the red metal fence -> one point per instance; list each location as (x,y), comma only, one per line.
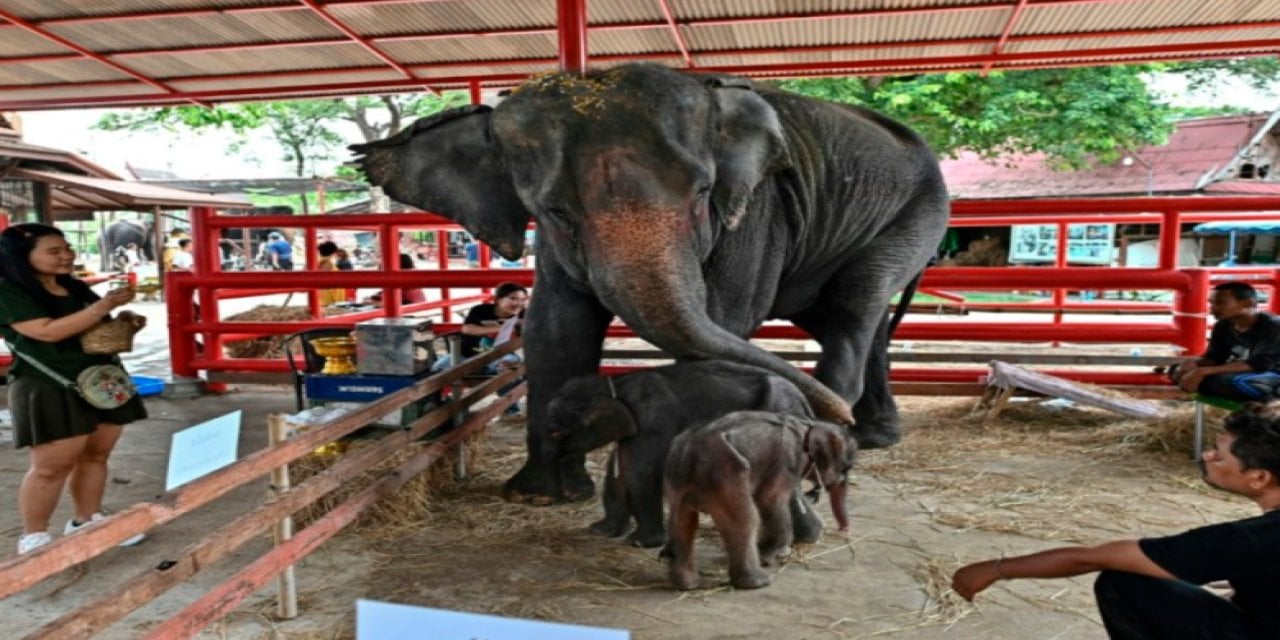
(1182,323)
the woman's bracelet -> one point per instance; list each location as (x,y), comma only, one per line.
(1000,573)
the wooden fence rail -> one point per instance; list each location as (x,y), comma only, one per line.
(22,572)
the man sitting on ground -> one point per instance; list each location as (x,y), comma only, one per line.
(1243,360)
(1151,588)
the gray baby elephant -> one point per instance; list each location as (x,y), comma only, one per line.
(744,469)
(643,411)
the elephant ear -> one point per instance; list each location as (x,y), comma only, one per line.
(750,146)
(448,164)
(830,449)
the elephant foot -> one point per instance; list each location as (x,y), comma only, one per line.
(750,579)
(770,557)
(532,484)
(608,528)
(870,436)
(685,579)
(575,484)
(647,539)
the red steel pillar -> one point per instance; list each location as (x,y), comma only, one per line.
(1273,303)
(1060,261)
(571,21)
(207,262)
(1170,234)
(1191,312)
(389,238)
(442,261)
(311,260)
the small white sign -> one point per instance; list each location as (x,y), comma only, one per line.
(385,621)
(202,449)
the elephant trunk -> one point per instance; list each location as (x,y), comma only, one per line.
(838,491)
(646,270)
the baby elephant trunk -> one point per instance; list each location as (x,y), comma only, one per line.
(838,491)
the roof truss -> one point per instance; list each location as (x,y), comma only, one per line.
(62,53)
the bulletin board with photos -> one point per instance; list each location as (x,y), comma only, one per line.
(1086,243)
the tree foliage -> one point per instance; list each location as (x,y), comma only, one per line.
(306,130)
(1074,116)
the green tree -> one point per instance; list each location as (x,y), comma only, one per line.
(1074,116)
(304,129)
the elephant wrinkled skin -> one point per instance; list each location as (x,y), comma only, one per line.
(745,469)
(694,207)
(643,412)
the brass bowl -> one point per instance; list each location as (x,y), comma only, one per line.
(339,355)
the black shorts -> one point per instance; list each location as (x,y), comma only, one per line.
(44,411)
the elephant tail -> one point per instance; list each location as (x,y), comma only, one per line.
(904,302)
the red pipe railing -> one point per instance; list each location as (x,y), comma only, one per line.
(1186,329)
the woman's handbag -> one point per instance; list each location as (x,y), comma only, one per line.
(103,386)
(110,337)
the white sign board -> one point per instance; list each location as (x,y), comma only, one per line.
(1086,243)
(204,448)
(386,621)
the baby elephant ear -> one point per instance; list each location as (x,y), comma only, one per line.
(750,146)
(829,449)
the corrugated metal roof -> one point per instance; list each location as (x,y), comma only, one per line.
(60,53)
(1196,153)
(72,193)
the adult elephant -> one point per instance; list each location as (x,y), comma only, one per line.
(694,207)
(122,233)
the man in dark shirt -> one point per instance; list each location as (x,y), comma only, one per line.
(1243,360)
(1150,588)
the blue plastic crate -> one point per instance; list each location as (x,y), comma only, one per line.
(148,386)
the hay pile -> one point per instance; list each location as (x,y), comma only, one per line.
(266,346)
(968,474)
(983,252)
(406,507)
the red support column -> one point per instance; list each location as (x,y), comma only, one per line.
(1170,234)
(1191,313)
(389,238)
(311,260)
(182,345)
(1273,302)
(572,31)
(207,262)
(442,261)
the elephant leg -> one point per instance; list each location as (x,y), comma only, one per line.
(805,523)
(614,500)
(738,522)
(850,320)
(775,526)
(564,331)
(644,495)
(681,564)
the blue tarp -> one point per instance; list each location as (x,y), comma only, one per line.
(1255,227)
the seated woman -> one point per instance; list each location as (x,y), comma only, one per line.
(328,262)
(483,324)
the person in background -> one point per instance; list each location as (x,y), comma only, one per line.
(1243,358)
(182,259)
(279,252)
(483,324)
(327,250)
(43,309)
(343,261)
(1151,588)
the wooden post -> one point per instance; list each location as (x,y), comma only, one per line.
(287,601)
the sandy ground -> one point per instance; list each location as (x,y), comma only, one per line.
(954,491)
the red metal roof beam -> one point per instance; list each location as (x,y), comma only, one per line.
(676,33)
(33,29)
(1004,34)
(359,39)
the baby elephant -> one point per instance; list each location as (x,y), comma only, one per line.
(744,469)
(643,411)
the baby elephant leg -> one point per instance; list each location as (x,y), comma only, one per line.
(682,529)
(644,499)
(738,521)
(614,500)
(775,525)
(805,521)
